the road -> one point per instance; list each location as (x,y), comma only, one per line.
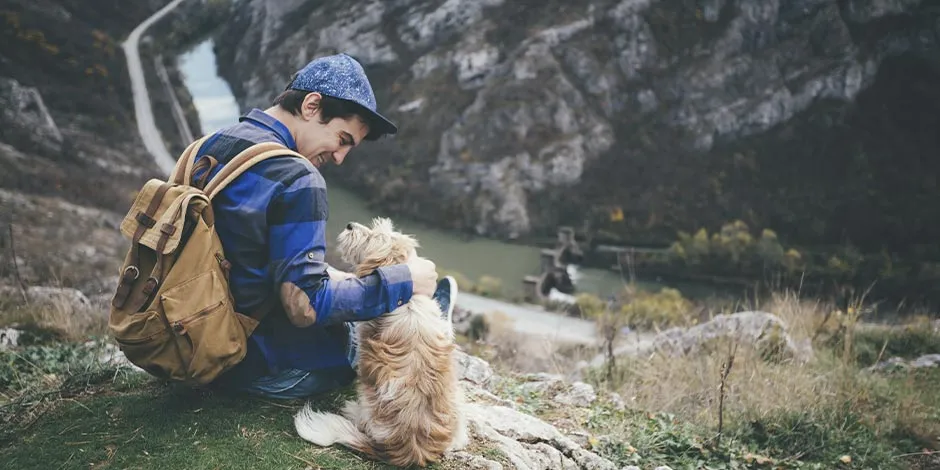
(146,124)
(533,320)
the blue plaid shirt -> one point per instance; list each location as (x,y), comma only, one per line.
(272,224)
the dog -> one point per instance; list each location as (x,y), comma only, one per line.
(408,407)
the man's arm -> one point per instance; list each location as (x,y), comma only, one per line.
(297,246)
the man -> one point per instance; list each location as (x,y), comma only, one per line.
(272,224)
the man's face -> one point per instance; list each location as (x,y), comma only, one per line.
(327,143)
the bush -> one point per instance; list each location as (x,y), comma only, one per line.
(652,310)
(489,286)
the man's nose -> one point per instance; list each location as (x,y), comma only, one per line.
(340,155)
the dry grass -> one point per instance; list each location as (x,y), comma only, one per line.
(56,317)
(758,391)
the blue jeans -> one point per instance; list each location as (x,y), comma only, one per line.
(294,383)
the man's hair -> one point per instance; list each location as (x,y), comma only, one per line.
(292,100)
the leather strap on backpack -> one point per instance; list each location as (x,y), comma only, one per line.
(145,220)
(243,161)
(184,165)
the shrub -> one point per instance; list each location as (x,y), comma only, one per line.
(489,286)
(653,310)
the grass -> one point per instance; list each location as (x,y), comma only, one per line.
(61,408)
(817,414)
(168,427)
(136,422)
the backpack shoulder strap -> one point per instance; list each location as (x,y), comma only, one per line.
(245,160)
(183,170)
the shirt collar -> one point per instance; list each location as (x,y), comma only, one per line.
(266,121)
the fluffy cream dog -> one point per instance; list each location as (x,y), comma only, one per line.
(408,408)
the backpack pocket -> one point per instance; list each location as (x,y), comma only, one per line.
(154,353)
(210,337)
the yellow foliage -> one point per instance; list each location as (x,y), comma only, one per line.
(663,309)
(616,215)
(590,305)
(489,286)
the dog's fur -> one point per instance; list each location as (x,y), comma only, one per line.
(408,408)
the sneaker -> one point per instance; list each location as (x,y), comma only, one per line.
(446,297)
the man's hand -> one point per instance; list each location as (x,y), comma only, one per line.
(423,276)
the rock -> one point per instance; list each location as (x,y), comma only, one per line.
(617,401)
(473,369)
(65,298)
(528,442)
(764,330)
(897,363)
(663,467)
(631,467)
(539,383)
(929,360)
(26,120)
(110,354)
(580,394)
(475,462)
(9,338)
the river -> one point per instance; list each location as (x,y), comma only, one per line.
(474,258)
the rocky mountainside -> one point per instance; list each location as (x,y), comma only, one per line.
(69,147)
(816,118)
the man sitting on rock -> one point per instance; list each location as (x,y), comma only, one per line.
(272,224)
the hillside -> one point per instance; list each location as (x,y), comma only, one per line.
(71,154)
(814,118)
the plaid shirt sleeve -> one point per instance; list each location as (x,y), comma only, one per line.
(297,218)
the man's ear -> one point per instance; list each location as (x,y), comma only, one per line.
(311,106)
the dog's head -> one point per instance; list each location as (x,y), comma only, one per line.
(368,248)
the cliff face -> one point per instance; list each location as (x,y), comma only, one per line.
(70,153)
(516,116)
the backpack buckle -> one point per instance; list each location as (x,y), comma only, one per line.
(128,270)
(131,273)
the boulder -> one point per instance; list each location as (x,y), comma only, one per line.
(579,394)
(766,331)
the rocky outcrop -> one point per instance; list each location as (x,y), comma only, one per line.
(528,443)
(763,331)
(896,363)
(26,119)
(515,116)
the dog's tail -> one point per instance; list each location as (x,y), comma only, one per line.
(326,429)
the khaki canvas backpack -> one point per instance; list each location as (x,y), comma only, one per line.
(172,313)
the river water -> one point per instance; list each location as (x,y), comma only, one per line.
(450,251)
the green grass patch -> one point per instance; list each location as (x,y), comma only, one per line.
(160,427)
(908,342)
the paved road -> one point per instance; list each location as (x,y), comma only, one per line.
(533,320)
(146,124)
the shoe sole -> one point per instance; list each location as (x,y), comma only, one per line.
(452,283)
